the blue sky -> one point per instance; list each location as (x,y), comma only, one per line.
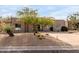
(57,11)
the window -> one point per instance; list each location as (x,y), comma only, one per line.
(18,25)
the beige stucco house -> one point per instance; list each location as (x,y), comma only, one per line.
(58,24)
(18,26)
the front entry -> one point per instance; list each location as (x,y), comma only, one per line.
(51,28)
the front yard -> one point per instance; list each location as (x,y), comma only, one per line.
(28,39)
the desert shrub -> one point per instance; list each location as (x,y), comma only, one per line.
(40,36)
(8,29)
(64,28)
(47,34)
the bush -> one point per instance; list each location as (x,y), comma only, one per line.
(8,29)
(64,28)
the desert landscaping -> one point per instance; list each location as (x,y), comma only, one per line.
(27,30)
(51,41)
(28,39)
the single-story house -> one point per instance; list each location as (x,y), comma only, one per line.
(18,26)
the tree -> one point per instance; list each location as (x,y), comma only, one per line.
(27,21)
(73,20)
(45,21)
(27,16)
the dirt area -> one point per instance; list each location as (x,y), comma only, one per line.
(28,39)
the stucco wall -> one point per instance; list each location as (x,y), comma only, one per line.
(58,24)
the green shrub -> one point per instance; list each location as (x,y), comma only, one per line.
(7,27)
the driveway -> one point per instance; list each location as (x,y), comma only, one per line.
(70,38)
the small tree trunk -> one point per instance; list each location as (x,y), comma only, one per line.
(10,33)
(35,29)
(27,27)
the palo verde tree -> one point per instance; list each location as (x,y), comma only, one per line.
(46,21)
(27,15)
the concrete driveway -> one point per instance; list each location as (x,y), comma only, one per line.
(70,38)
